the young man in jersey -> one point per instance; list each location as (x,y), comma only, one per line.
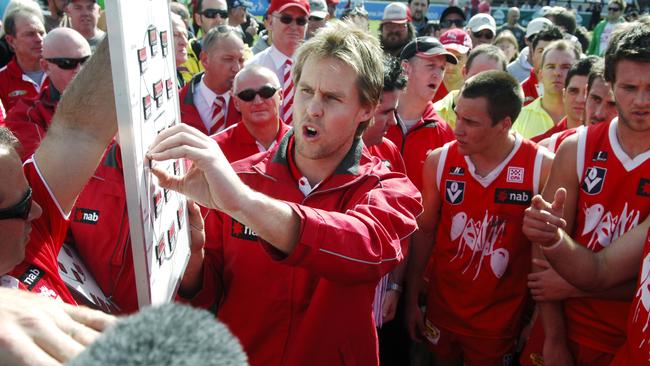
(604,170)
(624,260)
(475,192)
(310,227)
(419,128)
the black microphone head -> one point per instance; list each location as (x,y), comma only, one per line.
(170,335)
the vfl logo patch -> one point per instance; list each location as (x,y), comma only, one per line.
(594,179)
(241,231)
(86,216)
(599,156)
(454,191)
(512,196)
(456,170)
(515,174)
(644,187)
(31,277)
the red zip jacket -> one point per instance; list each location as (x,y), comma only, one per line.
(529,86)
(30,119)
(190,115)
(314,306)
(428,134)
(14,87)
(237,143)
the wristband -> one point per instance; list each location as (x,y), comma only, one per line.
(392,286)
(557,243)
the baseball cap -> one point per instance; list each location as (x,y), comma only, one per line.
(536,25)
(71,1)
(482,21)
(233,4)
(426,47)
(280,5)
(396,13)
(453,10)
(456,39)
(318,8)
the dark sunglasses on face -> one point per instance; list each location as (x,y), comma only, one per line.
(315,19)
(614,9)
(265,92)
(19,210)
(212,13)
(288,19)
(67,63)
(484,35)
(459,23)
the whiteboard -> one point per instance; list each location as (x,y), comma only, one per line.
(144,78)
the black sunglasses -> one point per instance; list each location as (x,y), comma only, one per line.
(212,13)
(288,19)
(484,35)
(67,63)
(265,92)
(614,9)
(459,23)
(20,210)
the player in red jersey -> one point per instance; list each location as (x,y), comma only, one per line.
(626,259)
(604,170)
(475,192)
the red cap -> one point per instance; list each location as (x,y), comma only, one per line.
(280,5)
(456,39)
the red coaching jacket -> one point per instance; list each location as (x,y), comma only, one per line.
(190,115)
(314,306)
(15,85)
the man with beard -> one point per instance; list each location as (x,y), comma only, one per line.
(395,30)
(84,15)
(419,9)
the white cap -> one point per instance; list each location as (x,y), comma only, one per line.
(482,21)
(536,25)
(396,13)
(318,8)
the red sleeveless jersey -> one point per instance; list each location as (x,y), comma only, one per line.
(613,197)
(481,257)
(636,350)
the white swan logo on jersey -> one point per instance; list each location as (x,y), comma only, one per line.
(594,179)
(607,227)
(643,296)
(454,191)
(480,236)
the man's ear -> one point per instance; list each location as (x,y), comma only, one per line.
(10,39)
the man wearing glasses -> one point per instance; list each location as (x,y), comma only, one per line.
(288,25)
(604,29)
(452,17)
(482,28)
(64,51)
(22,77)
(208,14)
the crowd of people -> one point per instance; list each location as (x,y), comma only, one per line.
(439,193)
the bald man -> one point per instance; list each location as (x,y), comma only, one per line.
(64,51)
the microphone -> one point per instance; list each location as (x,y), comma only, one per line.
(170,334)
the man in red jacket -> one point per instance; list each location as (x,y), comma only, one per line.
(23,76)
(206,101)
(64,51)
(309,228)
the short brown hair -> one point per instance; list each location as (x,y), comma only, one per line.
(631,42)
(502,92)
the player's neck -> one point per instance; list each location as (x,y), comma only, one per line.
(495,154)
(573,123)
(633,142)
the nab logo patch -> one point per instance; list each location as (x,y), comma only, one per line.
(594,180)
(86,216)
(599,156)
(31,277)
(241,231)
(515,174)
(454,191)
(456,170)
(644,187)
(512,196)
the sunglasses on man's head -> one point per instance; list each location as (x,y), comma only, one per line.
(265,92)
(20,210)
(212,13)
(288,19)
(484,35)
(67,63)
(459,23)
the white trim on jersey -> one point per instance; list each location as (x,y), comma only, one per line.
(628,163)
(537,169)
(494,174)
(580,158)
(441,164)
(47,186)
